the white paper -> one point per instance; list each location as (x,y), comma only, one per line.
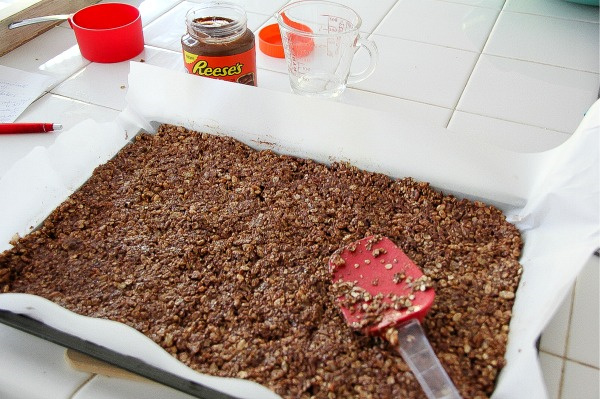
(553,197)
(18,89)
(39,182)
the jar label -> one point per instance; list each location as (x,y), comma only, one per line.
(240,68)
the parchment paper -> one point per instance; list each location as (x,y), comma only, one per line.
(553,197)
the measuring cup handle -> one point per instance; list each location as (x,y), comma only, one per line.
(37,20)
(371,48)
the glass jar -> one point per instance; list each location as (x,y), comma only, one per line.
(218,43)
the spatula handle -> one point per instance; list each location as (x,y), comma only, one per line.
(420,357)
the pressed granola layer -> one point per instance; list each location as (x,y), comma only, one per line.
(219,254)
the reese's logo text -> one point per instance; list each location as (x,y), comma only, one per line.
(201,68)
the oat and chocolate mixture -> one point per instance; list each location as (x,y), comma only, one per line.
(219,254)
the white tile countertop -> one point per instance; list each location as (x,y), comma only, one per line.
(517,73)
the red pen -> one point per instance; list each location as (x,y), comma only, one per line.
(11,128)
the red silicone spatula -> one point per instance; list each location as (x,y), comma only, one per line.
(382,292)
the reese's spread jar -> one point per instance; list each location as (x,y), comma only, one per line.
(218,43)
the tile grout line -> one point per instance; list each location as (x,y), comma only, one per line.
(84,102)
(542,63)
(175,4)
(391,96)
(563,366)
(568,335)
(428,43)
(452,111)
(475,65)
(579,362)
(488,54)
(509,121)
(524,12)
(552,17)
(564,357)
(273,70)
(563,363)
(59,82)
(469,4)
(395,4)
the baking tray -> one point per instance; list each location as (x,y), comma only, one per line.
(118,345)
(125,362)
(552,197)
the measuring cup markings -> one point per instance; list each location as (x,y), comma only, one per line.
(297,67)
(335,25)
(303,68)
(333,46)
(339,25)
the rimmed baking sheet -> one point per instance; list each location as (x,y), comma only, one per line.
(552,197)
(126,362)
(124,347)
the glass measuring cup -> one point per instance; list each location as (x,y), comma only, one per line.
(320,39)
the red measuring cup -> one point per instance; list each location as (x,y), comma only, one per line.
(105,32)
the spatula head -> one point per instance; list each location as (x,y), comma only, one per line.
(378,285)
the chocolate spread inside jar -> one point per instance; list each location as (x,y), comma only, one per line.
(218,43)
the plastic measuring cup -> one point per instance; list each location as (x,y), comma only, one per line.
(320,39)
(105,32)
